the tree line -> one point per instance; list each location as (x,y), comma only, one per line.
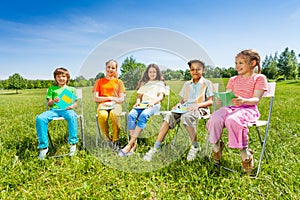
(276,67)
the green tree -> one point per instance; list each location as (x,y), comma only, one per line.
(287,64)
(187,76)
(269,66)
(17,82)
(100,75)
(131,72)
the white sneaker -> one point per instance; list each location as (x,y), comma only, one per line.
(148,156)
(192,153)
(72,150)
(43,153)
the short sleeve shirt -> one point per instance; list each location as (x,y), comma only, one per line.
(196,92)
(55,91)
(151,90)
(245,86)
(109,88)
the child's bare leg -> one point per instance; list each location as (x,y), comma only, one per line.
(163,131)
(134,134)
(192,133)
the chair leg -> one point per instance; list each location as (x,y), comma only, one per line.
(82,132)
(262,152)
(50,140)
(261,142)
(176,132)
(98,131)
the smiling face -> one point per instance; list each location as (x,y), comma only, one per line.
(111,69)
(152,73)
(196,71)
(244,67)
(61,76)
(61,79)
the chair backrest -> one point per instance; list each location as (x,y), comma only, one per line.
(216,87)
(271,90)
(270,93)
(168,94)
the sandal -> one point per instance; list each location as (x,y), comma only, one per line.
(248,164)
(217,155)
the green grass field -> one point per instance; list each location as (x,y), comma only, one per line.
(85,176)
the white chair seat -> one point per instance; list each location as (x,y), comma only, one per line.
(258,123)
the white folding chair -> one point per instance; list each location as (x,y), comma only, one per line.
(80,117)
(268,94)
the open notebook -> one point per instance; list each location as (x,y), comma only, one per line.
(225,97)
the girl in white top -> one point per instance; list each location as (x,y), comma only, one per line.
(150,90)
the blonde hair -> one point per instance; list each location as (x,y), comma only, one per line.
(249,55)
(59,71)
(112,60)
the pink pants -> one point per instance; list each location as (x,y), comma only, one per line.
(235,119)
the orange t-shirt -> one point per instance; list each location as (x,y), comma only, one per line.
(109,88)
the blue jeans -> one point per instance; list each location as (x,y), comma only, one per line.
(139,117)
(42,125)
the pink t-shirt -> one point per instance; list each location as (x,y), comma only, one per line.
(244,87)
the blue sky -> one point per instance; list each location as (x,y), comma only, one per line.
(38,36)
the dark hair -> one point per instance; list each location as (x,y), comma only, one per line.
(145,78)
(249,55)
(196,61)
(59,71)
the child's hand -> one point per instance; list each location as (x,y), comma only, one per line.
(218,101)
(150,105)
(176,106)
(69,108)
(56,99)
(193,107)
(135,105)
(238,101)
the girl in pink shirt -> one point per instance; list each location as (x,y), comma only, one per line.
(248,88)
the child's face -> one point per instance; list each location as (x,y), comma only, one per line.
(61,79)
(111,69)
(242,66)
(152,73)
(196,71)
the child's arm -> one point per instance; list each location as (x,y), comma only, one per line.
(51,102)
(249,101)
(138,100)
(207,103)
(158,99)
(119,99)
(72,106)
(178,104)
